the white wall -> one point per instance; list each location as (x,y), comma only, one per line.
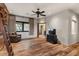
(62,23)
(73,30)
(26,34)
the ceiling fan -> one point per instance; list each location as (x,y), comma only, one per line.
(38,12)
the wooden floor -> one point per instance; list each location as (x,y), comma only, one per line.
(40,47)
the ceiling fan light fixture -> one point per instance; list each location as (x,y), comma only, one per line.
(38,12)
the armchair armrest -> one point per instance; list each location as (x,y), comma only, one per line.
(19,35)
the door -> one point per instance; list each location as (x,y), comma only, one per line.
(42,28)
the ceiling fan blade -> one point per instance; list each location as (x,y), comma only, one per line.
(33,11)
(42,14)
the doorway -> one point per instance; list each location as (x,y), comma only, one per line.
(42,29)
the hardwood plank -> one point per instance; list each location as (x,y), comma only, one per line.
(40,47)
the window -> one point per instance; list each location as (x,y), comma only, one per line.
(22,26)
(18,26)
(74,25)
(26,27)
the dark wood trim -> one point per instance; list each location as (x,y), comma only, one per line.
(22,31)
(37,29)
(22,22)
(22,26)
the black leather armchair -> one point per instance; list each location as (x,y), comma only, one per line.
(14,37)
(52,37)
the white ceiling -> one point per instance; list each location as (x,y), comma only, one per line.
(25,9)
